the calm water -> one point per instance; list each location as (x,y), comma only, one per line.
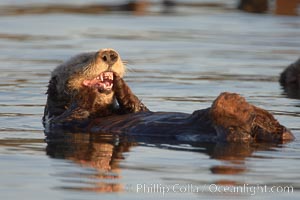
(175,63)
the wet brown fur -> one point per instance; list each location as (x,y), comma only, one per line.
(236,119)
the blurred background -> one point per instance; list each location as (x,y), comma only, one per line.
(180,56)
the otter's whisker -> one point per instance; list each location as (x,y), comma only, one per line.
(87,67)
(125,62)
(129,69)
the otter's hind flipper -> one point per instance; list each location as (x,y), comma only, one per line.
(236,120)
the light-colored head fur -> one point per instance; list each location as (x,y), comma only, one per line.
(71,73)
(69,76)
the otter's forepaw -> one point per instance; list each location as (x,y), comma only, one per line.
(128,102)
(118,82)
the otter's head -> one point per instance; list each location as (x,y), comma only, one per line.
(88,71)
(93,70)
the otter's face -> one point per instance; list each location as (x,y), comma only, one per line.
(94,70)
(86,78)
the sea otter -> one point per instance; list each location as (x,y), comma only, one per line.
(88,94)
(290,80)
(291,75)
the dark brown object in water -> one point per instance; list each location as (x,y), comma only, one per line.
(290,80)
(291,75)
(287,7)
(254,6)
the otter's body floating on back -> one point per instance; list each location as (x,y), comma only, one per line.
(88,94)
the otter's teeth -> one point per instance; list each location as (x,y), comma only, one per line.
(106,75)
(101,77)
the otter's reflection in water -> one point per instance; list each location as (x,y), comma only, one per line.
(292,92)
(234,157)
(104,152)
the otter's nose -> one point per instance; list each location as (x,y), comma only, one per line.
(109,56)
